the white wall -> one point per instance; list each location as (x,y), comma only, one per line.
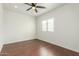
(18,27)
(1,26)
(66,27)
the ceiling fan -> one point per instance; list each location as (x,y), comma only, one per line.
(34,6)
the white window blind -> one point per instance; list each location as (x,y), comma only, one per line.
(48,25)
(51,25)
(44,25)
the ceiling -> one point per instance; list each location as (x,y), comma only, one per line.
(21,8)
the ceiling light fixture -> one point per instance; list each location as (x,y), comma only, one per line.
(33,7)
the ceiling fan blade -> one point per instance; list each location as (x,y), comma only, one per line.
(36,10)
(28,4)
(33,4)
(40,7)
(29,8)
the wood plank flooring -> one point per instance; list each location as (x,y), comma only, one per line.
(35,48)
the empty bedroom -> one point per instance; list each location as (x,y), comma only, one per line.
(39,29)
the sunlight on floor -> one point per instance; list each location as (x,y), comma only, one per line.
(45,52)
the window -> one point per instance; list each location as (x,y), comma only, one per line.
(48,25)
(44,25)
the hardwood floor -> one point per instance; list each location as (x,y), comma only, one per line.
(35,48)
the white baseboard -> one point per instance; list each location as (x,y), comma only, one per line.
(61,45)
(9,42)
